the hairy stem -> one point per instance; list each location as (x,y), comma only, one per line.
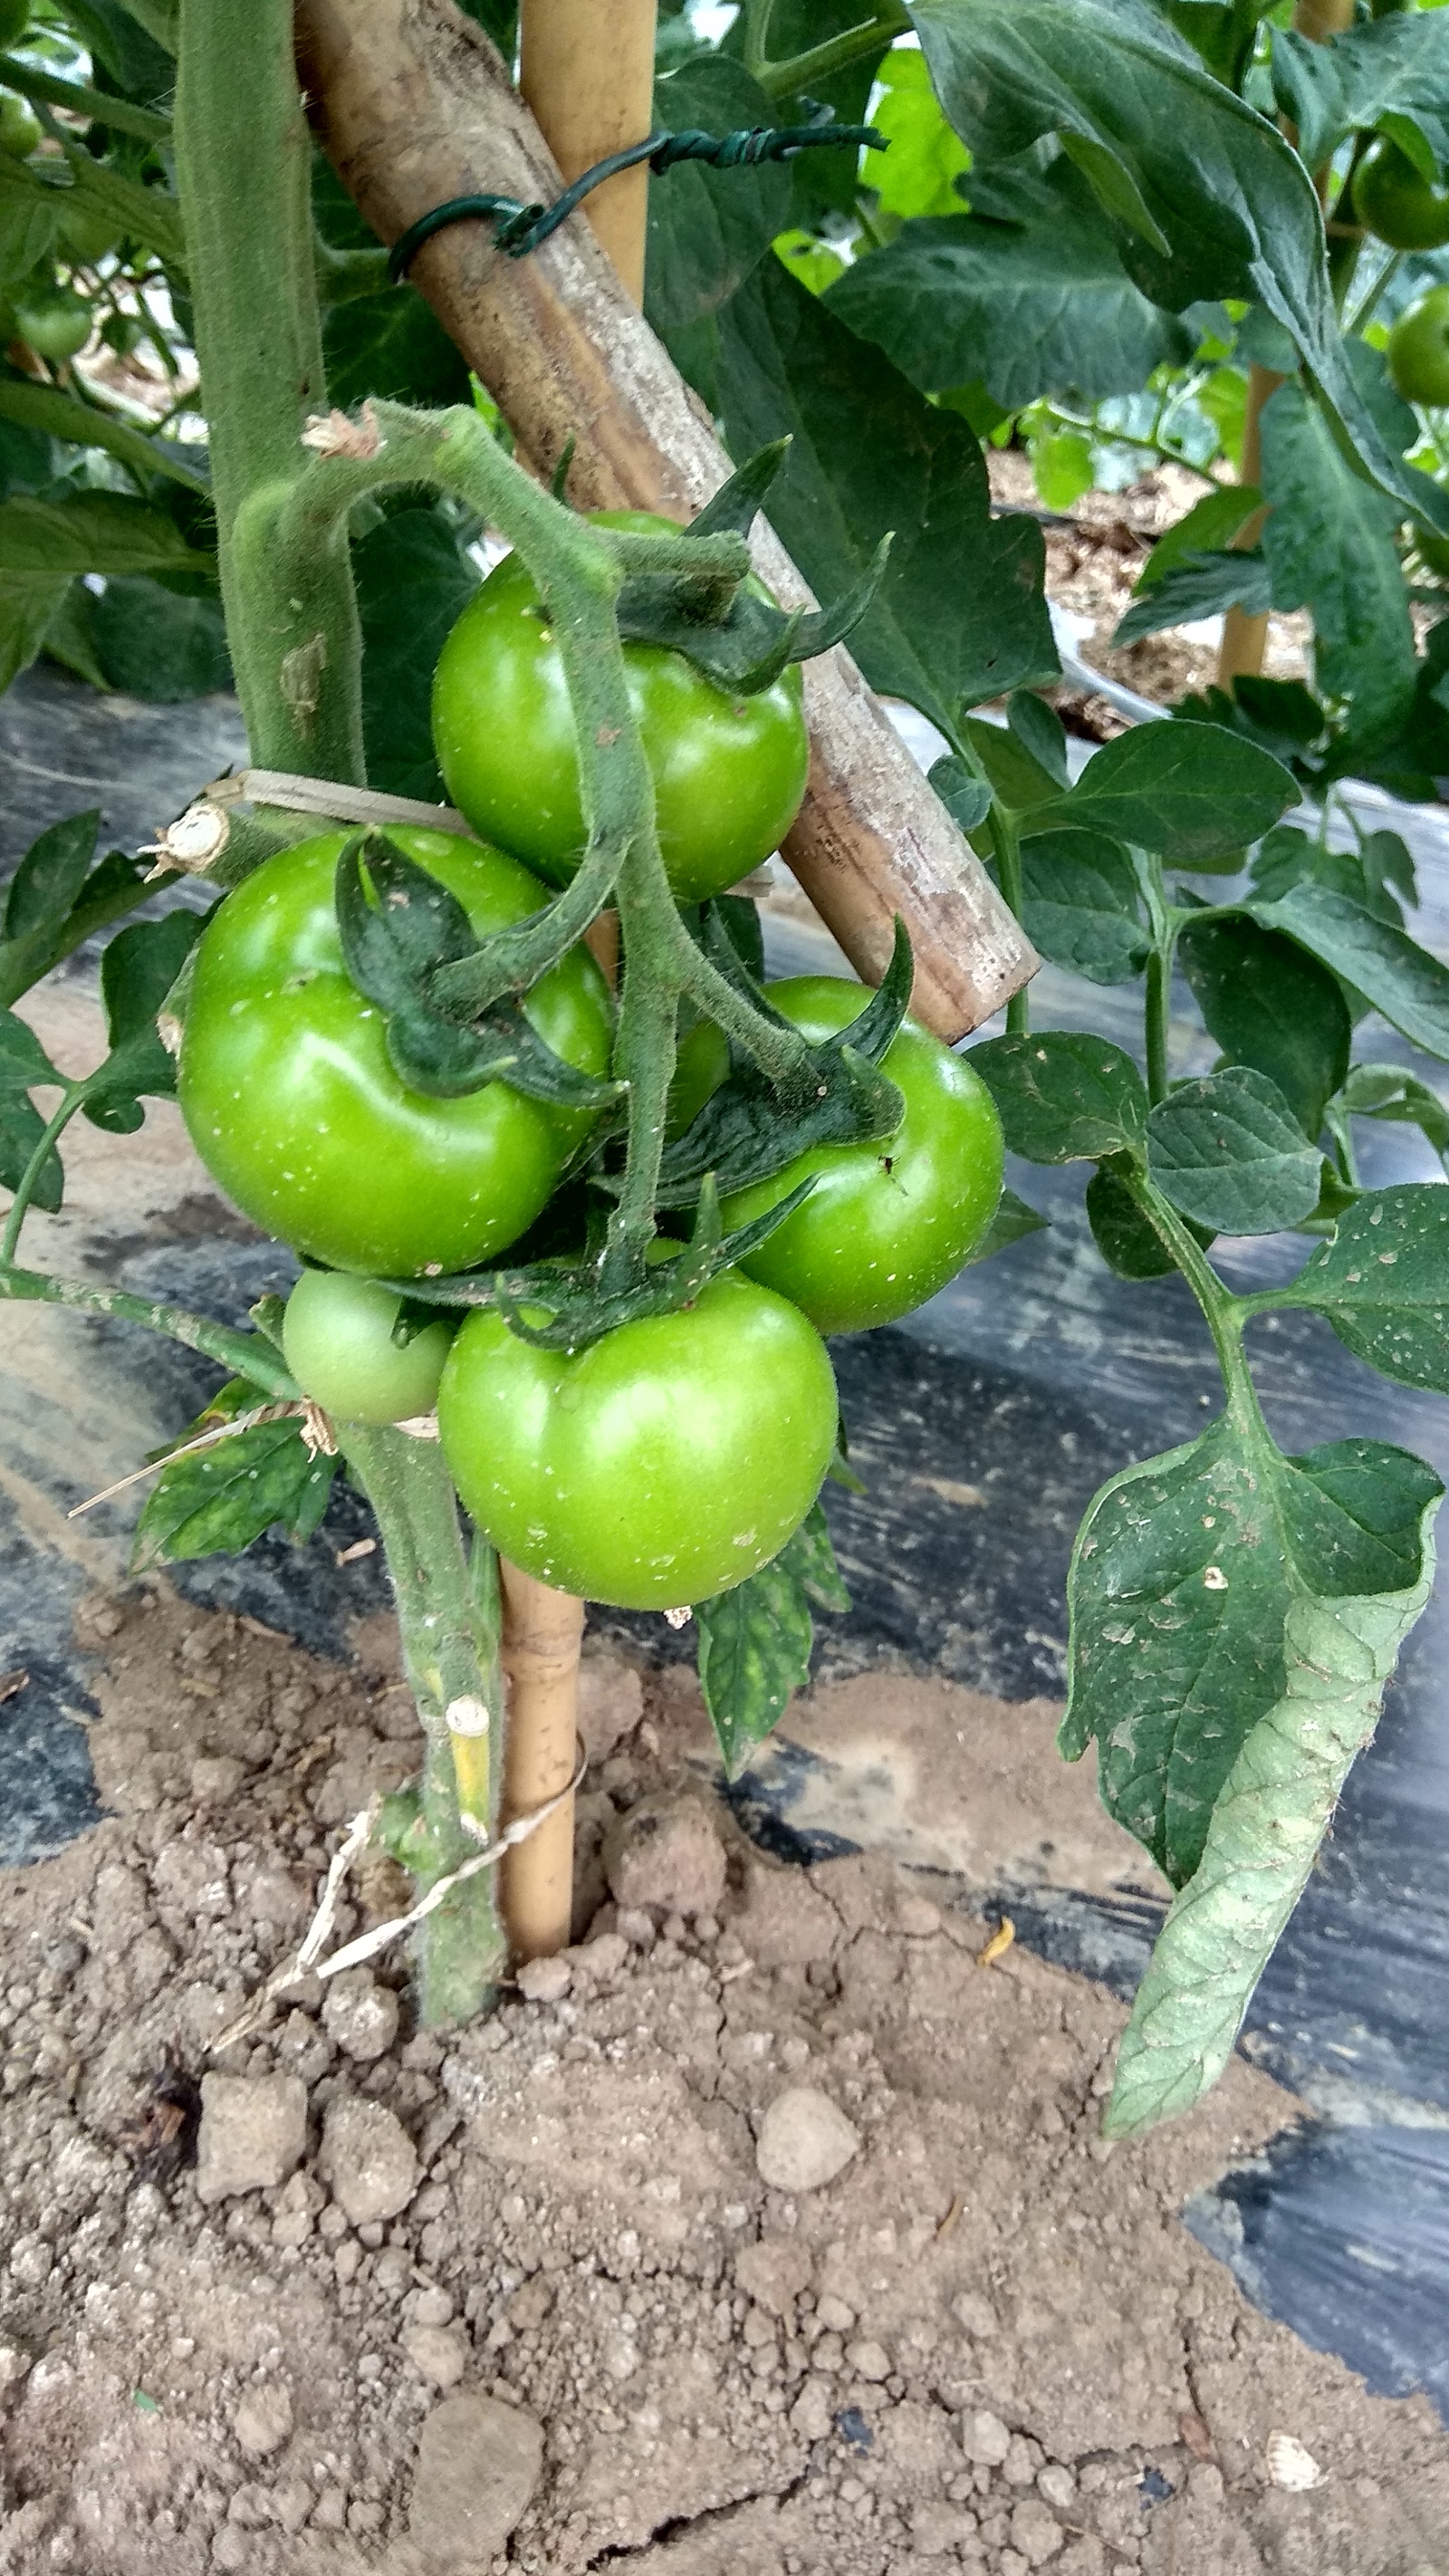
(118,113)
(1008,860)
(1224,1313)
(450,1654)
(243,161)
(248,1355)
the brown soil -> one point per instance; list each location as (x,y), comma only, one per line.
(987,2343)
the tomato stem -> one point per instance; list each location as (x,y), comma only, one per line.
(243,167)
(447,1606)
(248,1355)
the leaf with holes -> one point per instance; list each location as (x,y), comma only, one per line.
(1383,1283)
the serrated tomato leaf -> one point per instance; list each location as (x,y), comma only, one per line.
(755,1640)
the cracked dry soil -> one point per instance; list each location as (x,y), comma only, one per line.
(986,2344)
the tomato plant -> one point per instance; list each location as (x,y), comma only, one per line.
(1094,234)
(660,1466)
(728,771)
(295,1104)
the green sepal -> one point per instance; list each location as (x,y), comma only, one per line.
(744,642)
(748,1130)
(579,1308)
(393,946)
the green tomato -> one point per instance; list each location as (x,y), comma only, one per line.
(1419,349)
(729,773)
(337,1336)
(888,1224)
(88,235)
(20,127)
(290,1096)
(658,1467)
(52,321)
(1397,202)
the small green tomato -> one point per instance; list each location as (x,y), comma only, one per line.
(337,1336)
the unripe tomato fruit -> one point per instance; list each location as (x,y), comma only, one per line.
(20,127)
(337,1337)
(886,1224)
(1397,202)
(729,773)
(291,1100)
(52,321)
(88,235)
(658,1467)
(1419,349)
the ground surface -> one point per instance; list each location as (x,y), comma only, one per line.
(523,2298)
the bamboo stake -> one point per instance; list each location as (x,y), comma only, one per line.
(588,74)
(542,1633)
(586,68)
(414,106)
(1245,638)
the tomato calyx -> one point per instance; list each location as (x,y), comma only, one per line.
(751,1128)
(738,639)
(580,1310)
(394,941)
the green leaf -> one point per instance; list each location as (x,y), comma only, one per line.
(1172,154)
(1388,74)
(1184,1571)
(1127,1240)
(29,603)
(916,175)
(1329,545)
(1403,981)
(966,797)
(1082,907)
(1025,310)
(1383,1282)
(138,970)
(1385,1091)
(708,228)
(216,1502)
(1015,774)
(1190,792)
(23,1062)
(1209,525)
(1271,1005)
(157,644)
(1013,1220)
(1063,1097)
(101,532)
(1228,1152)
(1269,1820)
(1041,733)
(1197,585)
(51,875)
(755,1640)
(1063,467)
(392,347)
(961,612)
(414,579)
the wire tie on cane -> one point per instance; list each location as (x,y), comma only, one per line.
(523,228)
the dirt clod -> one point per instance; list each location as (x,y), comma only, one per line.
(360,2015)
(478,2465)
(666,1853)
(253,2131)
(804,2140)
(263,2420)
(368,2159)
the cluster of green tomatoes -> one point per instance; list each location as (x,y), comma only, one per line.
(674,1456)
(41,309)
(1393,200)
